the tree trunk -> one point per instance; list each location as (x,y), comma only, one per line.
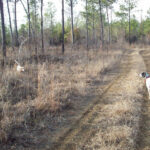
(87,30)
(129,23)
(108,24)
(10,25)
(29,20)
(93,24)
(42,35)
(15,24)
(34,31)
(30,28)
(111,28)
(3,30)
(63,30)
(101,27)
(72,24)
(52,33)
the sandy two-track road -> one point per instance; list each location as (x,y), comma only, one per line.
(118,129)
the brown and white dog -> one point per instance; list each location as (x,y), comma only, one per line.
(147,77)
(19,67)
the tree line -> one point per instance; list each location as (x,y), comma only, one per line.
(94,26)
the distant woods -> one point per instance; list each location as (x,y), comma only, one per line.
(98,25)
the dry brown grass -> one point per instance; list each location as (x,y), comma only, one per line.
(48,87)
(119,124)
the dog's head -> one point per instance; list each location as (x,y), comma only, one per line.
(143,74)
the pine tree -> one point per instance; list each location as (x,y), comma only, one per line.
(63,30)
(3,30)
(10,25)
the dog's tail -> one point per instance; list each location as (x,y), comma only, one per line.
(17,62)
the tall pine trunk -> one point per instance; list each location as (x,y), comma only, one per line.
(72,24)
(3,30)
(29,20)
(63,30)
(93,24)
(129,23)
(28,16)
(10,26)
(87,30)
(15,24)
(101,25)
(52,32)
(35,29)
(42,34)
(111,29)
(108,24)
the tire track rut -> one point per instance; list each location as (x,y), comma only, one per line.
(87,125)
(144,138)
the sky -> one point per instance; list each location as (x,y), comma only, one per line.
(141,5)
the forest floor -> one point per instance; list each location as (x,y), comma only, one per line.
(112,114)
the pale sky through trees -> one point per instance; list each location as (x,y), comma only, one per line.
(142,4)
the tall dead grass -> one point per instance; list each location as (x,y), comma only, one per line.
(49,87)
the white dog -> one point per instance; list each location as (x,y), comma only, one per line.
(147,77)
(19,67)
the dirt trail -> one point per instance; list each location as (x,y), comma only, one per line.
(144,140)
(89,124)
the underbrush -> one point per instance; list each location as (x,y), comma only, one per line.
(16,87)
(47,88)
